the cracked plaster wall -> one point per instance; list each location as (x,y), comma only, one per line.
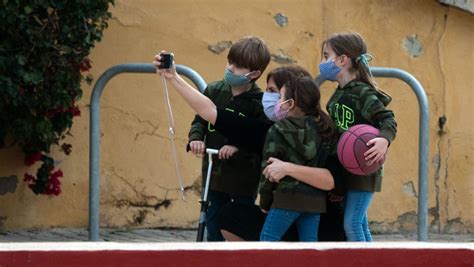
(138,184)
(439,53)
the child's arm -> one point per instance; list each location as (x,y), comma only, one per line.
(374,111)
(317,177)
(198,132)
(246,131)
(198,102)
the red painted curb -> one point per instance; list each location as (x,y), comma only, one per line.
(230,258)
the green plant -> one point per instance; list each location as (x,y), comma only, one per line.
(44,48)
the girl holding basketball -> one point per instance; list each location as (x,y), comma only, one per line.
(302,131)
(357,100)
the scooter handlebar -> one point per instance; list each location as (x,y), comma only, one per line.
(212,151)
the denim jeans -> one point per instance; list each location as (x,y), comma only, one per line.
(279,220)
(356,224)
(217,201)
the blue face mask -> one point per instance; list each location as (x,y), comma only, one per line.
(269,101)
(235,80)
(329,70)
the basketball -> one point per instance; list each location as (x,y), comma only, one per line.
(351,148)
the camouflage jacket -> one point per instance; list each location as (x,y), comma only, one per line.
(294,140)
(240,174)
(359,103)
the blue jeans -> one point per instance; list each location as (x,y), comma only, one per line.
(279,220)
(217,201)
(356,224)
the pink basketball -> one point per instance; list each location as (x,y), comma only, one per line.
(351,148)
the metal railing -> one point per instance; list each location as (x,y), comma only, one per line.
(94,155)
(94,150)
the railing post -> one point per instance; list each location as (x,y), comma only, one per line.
(94,149)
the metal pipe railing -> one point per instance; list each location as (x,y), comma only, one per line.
(424,139)
(94,156)
(94,150)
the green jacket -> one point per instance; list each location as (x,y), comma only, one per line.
(294,140)
(240,174)
(359,103)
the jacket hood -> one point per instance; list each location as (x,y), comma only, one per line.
(381,95)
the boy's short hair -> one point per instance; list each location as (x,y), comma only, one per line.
(249,52)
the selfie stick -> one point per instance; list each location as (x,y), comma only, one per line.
(171,130)
(203,201)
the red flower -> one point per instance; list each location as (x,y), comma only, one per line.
(55,175)
(75,111)
(29,178)
(53,185)
(85,64)
(31,159)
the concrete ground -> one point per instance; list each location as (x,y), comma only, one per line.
(170,235)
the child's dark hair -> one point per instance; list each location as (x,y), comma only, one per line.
(283,74)
(249,52)
(353,46)
(305,92)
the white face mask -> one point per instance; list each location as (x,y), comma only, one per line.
(269,101)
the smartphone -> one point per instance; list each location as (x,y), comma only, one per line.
(166,60)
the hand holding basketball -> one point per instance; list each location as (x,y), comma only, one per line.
(378,148)
(360,149)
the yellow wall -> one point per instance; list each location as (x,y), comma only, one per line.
(138,184)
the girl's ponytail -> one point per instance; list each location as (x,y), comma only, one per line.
(361,65)
(325,125)
(364,73)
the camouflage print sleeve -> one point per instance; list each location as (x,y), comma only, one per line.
(374,111)
(198,129)
(272,148)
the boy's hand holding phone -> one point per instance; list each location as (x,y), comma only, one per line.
(164,63)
